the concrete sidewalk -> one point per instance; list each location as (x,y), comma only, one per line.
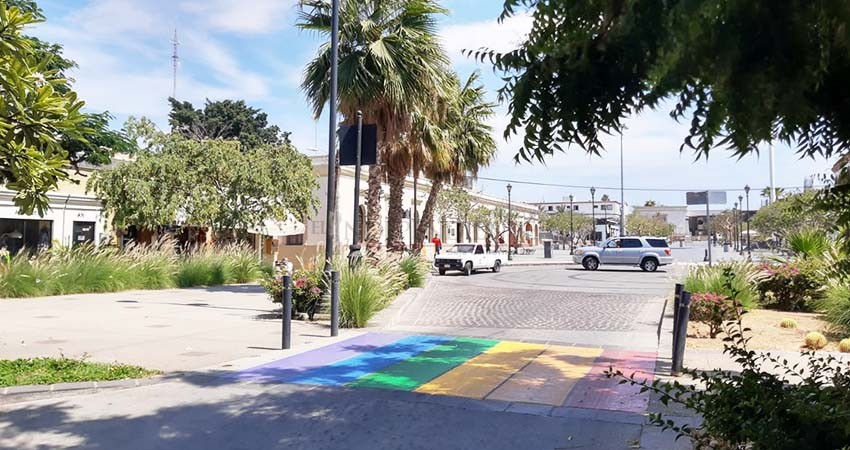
(169,330)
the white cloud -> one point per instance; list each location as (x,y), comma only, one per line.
(256,16)
(490,34)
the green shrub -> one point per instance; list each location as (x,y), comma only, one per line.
(362,293)
(808,243)
(770,404)
(712,310)
(836,306)
(154,266)
(790,285)
(21,276)
(241,262)
(711,280)
(201,270)
(416,269)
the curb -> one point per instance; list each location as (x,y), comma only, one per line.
(14,391)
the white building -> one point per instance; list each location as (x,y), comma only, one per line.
(74,217)
(607,213)
(311,242)
(674,215)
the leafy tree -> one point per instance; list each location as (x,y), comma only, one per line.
(457,204)
(581,225)
(649,203)
(207,183)
(656,225)
(225,119)
(741,73)
(792,213)
(390,63)
(37,108)
(605,198)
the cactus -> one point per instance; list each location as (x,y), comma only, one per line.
(815,341)
(844,346)
(788,323)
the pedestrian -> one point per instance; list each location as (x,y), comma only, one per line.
(438,244)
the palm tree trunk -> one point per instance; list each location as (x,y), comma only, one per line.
(373,208)
(395,211)
(427,214)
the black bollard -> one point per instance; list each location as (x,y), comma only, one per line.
(677,301)
(334,303)
(286,311)
(682,331)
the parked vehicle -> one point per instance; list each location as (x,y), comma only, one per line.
(645,251)
(467,258)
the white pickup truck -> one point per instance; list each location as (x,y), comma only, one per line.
(467,258)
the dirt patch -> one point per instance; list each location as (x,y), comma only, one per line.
(766,333)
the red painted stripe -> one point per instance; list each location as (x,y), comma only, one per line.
(596,391)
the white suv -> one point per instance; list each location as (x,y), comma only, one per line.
(643,251)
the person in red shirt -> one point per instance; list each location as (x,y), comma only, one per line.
(438,244)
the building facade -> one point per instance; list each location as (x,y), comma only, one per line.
(674,215)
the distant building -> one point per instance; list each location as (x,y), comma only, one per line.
(674,215)
(607,213)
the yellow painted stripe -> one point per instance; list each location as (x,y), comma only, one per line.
(480,375)
(550,377)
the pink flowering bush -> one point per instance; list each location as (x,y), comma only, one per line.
(789,285)
(713,310)
(306,291)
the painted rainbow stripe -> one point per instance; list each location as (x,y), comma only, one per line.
(468,367)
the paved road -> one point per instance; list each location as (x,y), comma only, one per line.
(613,308)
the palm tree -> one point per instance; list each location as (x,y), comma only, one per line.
(390,63)
(465,145)
(780,192)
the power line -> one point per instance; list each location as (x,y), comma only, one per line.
(609,188)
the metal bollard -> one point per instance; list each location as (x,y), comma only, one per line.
(286,311)
(334,303)
(682,331)
(677,301)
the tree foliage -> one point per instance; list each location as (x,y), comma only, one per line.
(740,72)
(656,225)
(560,222)
(792,213)
(207,183)
(225,119)
(37,109)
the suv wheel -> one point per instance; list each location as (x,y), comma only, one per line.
(497,266)
(649,265)
(590,263)
(467,268)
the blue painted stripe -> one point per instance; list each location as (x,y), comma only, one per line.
(348,370)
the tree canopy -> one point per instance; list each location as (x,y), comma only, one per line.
(656,225)
(210,183)
(37,110)
(792,213)
(560,222)
(740,72)
(225,119)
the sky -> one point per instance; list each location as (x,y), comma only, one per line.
(251,50)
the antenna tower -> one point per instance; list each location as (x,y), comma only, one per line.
(175,60)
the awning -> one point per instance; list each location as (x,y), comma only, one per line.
(289,227)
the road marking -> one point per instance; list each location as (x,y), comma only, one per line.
(596,391)
(481,375)
(350,369)
(420,369)
(549,378)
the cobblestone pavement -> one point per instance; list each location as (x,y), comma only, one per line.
(617,308)
(456,305)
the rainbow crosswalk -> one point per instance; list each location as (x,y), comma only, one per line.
(487,369)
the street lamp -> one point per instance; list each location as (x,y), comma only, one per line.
(741,225)
(509,223)
(747,217)
(572,233)
(593,213)
(735,227)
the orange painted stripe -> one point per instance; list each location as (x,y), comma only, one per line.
(549,378)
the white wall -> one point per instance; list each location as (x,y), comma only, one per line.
(64,211)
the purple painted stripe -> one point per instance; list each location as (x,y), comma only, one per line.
(285,369)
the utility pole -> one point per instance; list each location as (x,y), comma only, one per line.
(175,60)
(330,205)
(622,191)
(593,214)
(572,233)
(772,175)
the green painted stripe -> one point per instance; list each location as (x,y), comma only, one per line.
(413,372)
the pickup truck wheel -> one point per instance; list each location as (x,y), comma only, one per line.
(467,268)
(590,263)
(442,271)
(497,266)
(649,265)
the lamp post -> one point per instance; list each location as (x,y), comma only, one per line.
(747,217)
(510,228)
(572,233)
(593,213)
(735,227)
(741,225)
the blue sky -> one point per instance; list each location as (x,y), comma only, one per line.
(251,50)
